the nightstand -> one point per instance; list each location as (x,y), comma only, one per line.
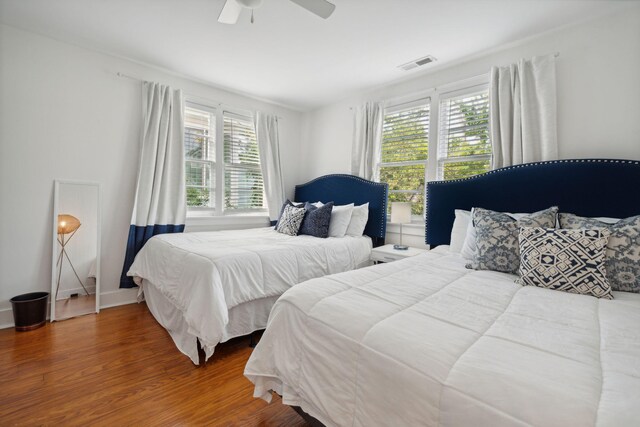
(386,253)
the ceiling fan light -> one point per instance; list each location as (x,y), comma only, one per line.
(250,4)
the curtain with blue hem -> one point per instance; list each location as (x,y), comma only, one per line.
(160,202)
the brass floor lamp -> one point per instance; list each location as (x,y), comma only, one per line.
(67,225)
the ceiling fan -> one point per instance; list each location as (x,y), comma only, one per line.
(232,8)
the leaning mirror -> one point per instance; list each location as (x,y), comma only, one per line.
(75,265)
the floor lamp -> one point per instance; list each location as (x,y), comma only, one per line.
(67,225)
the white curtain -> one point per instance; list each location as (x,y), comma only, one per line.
(160,203)
(523,112)
(269,148)
(367,140)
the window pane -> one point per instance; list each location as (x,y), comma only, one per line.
(199,197)
(199,134)
(405,135)
(244,188)
(240,144)
(199,144)
(457,170)
(405,178)
(199,179)
(465,126)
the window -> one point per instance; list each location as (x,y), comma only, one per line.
(464,148)
(243,186)
(411,155)
(200,155)
(405,152)
(222,164)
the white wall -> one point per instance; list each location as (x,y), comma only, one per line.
(598,96)
(65,114)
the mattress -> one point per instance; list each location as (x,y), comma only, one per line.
(424,341)
(201,277)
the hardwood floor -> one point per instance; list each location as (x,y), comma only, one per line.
(121,368)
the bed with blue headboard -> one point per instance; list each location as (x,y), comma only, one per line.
(586,187)
(428,341)
(345,189)
(208,287)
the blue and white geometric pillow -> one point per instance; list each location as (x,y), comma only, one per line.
(287,203)
(290,220)
(623,250)
(565,260)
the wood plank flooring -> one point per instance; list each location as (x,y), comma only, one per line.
(121,368)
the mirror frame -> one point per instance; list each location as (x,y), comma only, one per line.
(54,221)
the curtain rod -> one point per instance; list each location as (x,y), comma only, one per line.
(555,55)
(196,97)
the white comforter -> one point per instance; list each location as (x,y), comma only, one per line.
(425,341)
(206,274)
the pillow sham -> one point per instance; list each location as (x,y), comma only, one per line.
(358,222)
(569,260)
(290,220)
(468,250)
(497,246)
(459,230)
(316,220)
(623,249)
(340,219)
(285,204)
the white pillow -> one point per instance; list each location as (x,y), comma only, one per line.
(468,250)
(340,219)
(459,230)
(358,222)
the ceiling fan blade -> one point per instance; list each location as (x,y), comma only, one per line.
(322,8)
(230,12)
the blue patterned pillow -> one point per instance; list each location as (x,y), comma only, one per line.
(316,220)
(497,237)
(623,249)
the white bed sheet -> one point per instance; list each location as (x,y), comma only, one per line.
(204,276)
(424,341)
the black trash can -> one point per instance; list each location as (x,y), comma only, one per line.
(30,310)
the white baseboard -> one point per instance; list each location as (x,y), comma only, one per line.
(66,293)
(119,297)
(107,299)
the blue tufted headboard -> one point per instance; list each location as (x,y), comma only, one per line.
(587,187)
(344,189)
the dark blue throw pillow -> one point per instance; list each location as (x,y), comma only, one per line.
(288,202)
(316,220)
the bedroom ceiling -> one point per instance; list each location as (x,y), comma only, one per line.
(289,55)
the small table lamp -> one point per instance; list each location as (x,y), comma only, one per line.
(401,214)
(67,224)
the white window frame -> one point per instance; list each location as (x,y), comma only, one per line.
(470,85)
(219,164)
(213,111)
(454,93)
(405,103)
(239,114)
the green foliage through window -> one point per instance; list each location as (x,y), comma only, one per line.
(464,148)
(405,151)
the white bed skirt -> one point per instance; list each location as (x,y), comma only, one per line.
(243,319)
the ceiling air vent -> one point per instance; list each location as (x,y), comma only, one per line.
(417,63)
